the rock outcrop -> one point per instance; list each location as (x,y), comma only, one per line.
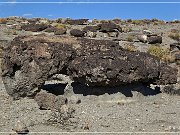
(29,61)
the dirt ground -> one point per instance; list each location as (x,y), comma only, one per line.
(111,113)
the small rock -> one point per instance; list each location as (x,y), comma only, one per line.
(77,33)
(154,39)
(20,128)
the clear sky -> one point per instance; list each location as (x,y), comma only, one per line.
(91,11)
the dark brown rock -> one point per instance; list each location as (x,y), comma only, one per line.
(91,28)
(77,33)
(34,27)
(154,39)
(76,22)
(109,27)
(103,63)
(167,75)
(29,61)
(49,101)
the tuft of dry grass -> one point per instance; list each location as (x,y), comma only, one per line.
(175,36)
(130,48)
(3,21)
(161,53)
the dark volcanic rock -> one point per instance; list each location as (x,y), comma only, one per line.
(168,75)
(91,28)
(154,39)
(29,61)
(77,33)
(34,27)
(109,27)
(76,22)
(103,63)
(50,101)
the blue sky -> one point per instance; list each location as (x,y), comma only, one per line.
(91,11)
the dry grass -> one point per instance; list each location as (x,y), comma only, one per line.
(175,35)
(161,53)
(130,47)
(3,21)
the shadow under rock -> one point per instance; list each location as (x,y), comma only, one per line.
(127,90)
(56,89)
(124,89)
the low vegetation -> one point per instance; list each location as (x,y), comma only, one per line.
(174,34)
(3,21)
(161,53)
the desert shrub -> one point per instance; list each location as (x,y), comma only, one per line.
(161,53)
(60,26)
(130,47)
(3,21)
(174,34)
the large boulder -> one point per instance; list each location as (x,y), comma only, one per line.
(102,63)
(77,33)
(30,61)
(154,39)
(34,27)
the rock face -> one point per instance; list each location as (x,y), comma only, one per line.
(29,61)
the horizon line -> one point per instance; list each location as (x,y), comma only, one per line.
(81,2)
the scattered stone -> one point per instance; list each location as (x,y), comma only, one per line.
(77,33)
(154,39)
(20,128)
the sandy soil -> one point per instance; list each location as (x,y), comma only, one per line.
(104,113)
